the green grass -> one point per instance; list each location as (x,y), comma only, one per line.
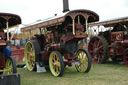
(100,74)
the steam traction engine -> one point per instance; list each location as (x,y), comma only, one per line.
(7,63)
(54,42)
(111,43)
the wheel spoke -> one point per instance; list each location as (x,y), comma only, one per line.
(98,44)
(101,47)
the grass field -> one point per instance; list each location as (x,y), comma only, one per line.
(100,74)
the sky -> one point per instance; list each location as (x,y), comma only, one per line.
(33,10)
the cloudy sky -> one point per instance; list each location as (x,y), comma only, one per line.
(32,10)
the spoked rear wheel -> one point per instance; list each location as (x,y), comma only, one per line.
(56,63)
(85,61)
(98,49)
(32,50)
(10,66)
(125,57)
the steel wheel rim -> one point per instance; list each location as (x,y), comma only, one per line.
(96,50)
(55,64)
(82,57)
(30,56)
(125,58)
(8,67)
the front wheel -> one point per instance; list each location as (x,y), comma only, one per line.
(85,61)
(56,63)
(10,66)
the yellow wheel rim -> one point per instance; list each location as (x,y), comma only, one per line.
(54,63)
(30,56)
(8,67)
(82,57)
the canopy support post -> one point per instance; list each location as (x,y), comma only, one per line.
(7,28)
(73,26)
(86,23)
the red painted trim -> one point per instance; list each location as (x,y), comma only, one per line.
(3,43)
(2,62)
(18,54)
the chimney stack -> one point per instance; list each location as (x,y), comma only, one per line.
(65,6)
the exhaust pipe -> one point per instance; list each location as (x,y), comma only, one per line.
(65,6)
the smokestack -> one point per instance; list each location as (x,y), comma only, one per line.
(65,6)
